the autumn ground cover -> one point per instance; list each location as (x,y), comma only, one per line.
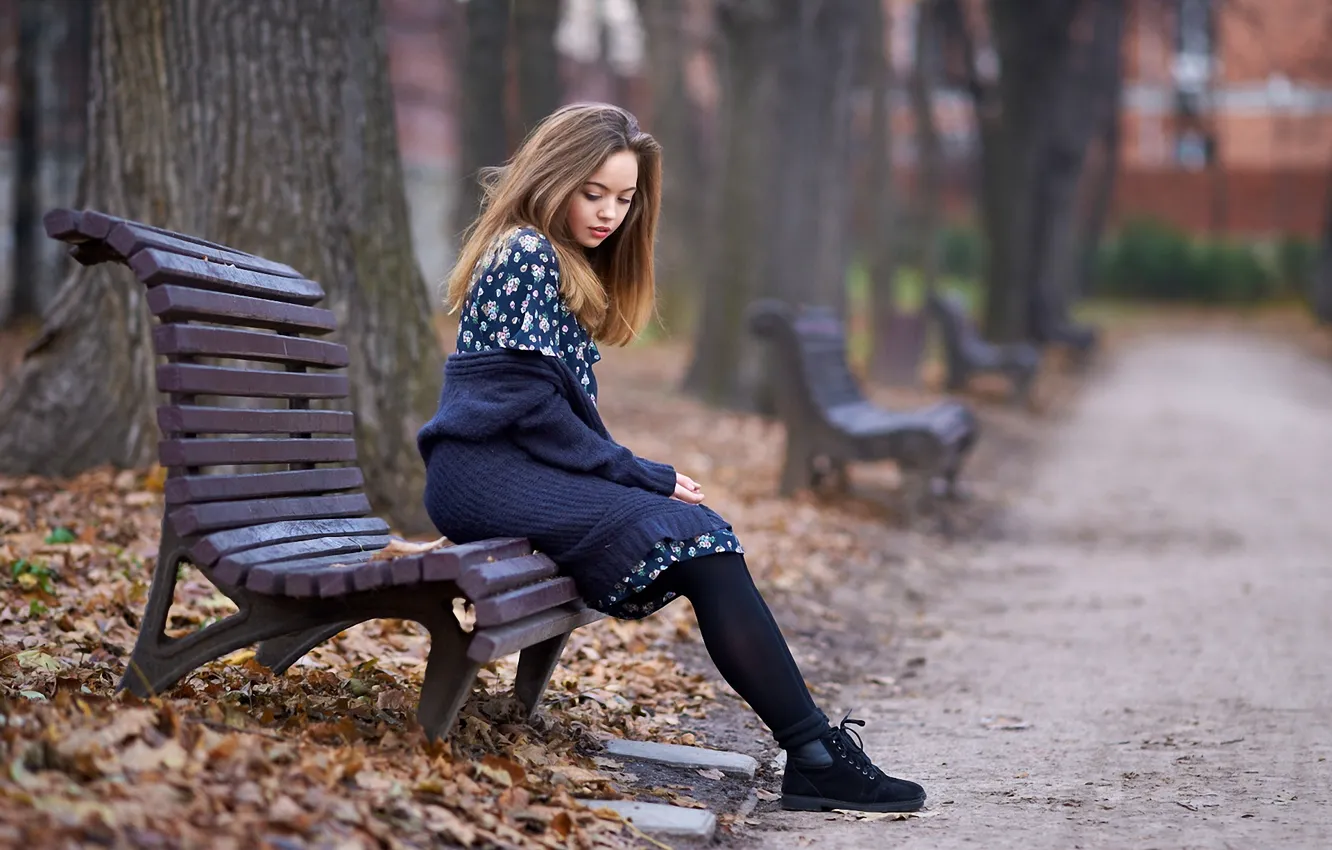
(330,755)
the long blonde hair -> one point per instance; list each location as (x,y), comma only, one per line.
(609,288)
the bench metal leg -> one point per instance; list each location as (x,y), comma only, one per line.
(158,661)
(449,676)
(279,653)
(535,666)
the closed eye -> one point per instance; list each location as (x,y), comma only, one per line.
(591,197)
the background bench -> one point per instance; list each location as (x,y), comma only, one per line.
(829,422)
(967,354)
(263,491)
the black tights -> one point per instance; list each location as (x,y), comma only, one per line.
(744,642)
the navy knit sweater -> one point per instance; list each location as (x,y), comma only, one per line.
(517,449)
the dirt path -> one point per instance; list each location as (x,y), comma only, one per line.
(1160,614)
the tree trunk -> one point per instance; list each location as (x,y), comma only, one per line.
(484,136)
(9,47)
(1322,282)
(1101,196)
(890,361)
(1085,102)
(675,123)
(539,90)
(811,207)
(929,184)
(724,370)
(54,50)
(264,126)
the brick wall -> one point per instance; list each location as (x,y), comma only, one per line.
(1265,202)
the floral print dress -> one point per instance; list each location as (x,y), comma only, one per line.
(515,303)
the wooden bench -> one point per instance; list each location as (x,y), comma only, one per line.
(263,491)
(967,354)
(829,422)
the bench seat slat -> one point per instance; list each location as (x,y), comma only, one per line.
(516,604)
(306,576)
(221,452)
(158,268)
(191,489)
(495,642)
(488,579)
(193,379)
(233,568)
(208,550)
(191,419)
(215,516)
(129,238)
(248,345)
(182,304)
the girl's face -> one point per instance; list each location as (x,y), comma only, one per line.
(599,206)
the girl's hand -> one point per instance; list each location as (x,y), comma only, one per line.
(687,490)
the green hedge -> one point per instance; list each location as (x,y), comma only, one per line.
(1148,259)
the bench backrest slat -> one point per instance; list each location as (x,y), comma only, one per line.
(163,268)
(262,346)
(177,419)
(129,238)
(215,516)
(181,304)
(190,379)
(194,489)
(228,452)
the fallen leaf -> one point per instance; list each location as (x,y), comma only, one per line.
(35,659)
(712,774)
(767,796)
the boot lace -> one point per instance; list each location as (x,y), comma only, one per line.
(846,743)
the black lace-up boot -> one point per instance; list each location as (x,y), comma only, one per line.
(833,772)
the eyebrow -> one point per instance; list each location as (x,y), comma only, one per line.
(603,187)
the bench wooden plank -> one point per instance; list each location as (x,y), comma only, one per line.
(128,238)
(192,419)
(208,550)
(495,642)
(159,268)
(447,564)
(303,578)
(203,340)
(194,379)
(299,550)
(215,516)
(180,304)
(488,579)
(63,224)
(189,489)
(195,452)
(516,604)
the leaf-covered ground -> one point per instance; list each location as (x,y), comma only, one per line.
(329,755)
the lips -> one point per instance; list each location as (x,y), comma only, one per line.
(603,232)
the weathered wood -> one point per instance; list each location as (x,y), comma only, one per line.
(180,304)
(188,489)
(514,604)
(213,516)
(156,267)
(449,563)
(207,550)
(235,567)
(489,579)
(202,340)
(192,379)
(224,452)
(189,419)
(128,238)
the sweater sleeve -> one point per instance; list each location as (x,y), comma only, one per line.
(552,433)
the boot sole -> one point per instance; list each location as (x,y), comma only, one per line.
(800,803)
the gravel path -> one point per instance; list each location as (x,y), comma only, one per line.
(1158,619)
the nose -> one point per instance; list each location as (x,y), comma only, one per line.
(605,212)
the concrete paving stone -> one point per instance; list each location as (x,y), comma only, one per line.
(678,755)
(660,819)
